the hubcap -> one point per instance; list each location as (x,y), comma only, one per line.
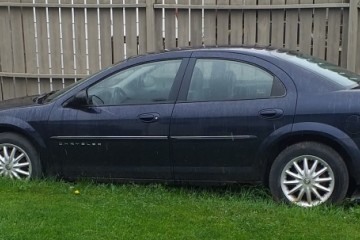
(14,162)
(307,181)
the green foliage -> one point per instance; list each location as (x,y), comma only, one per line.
(48,209)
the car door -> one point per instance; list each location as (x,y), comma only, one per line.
(124,131)
(228,105)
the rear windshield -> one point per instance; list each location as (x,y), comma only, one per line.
(329,71)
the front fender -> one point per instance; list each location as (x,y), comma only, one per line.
(22,127)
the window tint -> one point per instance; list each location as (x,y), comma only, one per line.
(146,83)
(214,80)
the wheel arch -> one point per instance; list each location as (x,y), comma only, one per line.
(24,129)
(335,139)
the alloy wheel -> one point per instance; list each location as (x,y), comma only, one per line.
(14,162)
(307,181)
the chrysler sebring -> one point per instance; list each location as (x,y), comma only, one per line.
(208,115)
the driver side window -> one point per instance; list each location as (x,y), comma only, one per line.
(146,83)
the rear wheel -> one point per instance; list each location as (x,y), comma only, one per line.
(308,174)
(18,158)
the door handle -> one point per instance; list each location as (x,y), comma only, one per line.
(271,113)
(149,117)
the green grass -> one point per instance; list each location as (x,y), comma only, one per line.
(50,209)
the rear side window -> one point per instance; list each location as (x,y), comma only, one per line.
(218,80)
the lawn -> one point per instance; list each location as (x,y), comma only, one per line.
(48,209)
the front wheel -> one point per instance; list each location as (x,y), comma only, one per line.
(18,158)
(308,174)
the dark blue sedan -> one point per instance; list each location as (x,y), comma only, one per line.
(210,115)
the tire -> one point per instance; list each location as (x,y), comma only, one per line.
(18,157)
(308,174)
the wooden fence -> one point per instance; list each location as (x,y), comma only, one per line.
(46,44)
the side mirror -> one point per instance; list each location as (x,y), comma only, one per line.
(79,100)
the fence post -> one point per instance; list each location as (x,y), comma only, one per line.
(150,25)
(352,37)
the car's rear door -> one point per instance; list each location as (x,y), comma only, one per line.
(228,104)
(124,132)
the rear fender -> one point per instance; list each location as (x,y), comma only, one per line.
(290,134)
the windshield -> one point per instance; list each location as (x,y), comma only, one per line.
(329,71)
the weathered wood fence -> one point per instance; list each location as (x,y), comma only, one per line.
(46,44)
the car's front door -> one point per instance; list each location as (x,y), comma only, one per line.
(124,132)
(226,108)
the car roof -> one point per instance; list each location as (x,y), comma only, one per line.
(265,52)
(236,48)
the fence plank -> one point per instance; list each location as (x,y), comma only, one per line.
(80,40)
(222,24)
(42,41)
(277,27)
(93,44)
(105,35)
(333,37)
(17,39)
(170,35)
(183,25)
(57,84)
(7,84)
(263,29)
(55,43)
(67,39)
(236,27)
(5,40)
(131,36)
(44,55)
(249,24)
(18,50)
(159,40)
(352,35)
(196,25)
(8,88)
(344,38)
(142,28)
(44,85)
(357,59)
(150,26)
(1,88)
(15,62)
(291,28)
(1,95)
(29,39)
(319,31)
(306,19)
(68,82)
(32,86)
(210,25)
(20,87)
(118,38)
